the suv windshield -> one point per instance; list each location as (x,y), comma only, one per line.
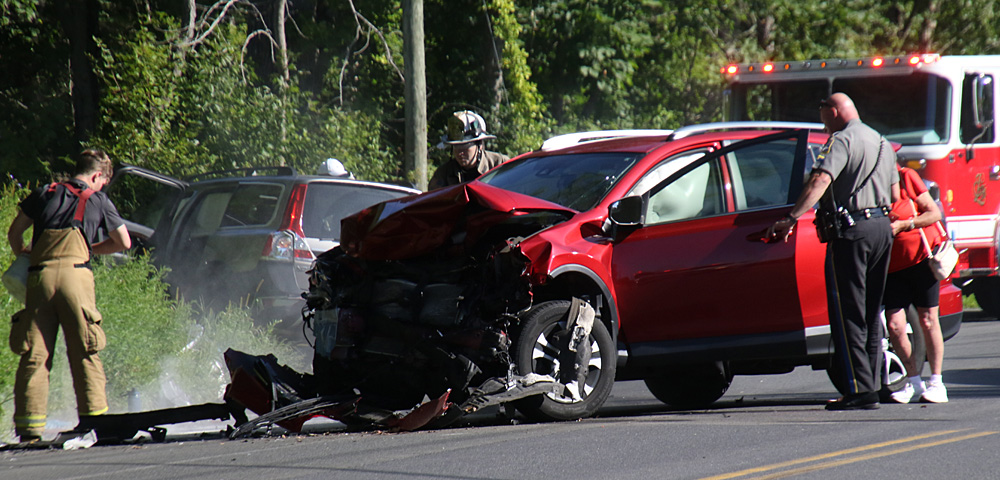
(916,113)
(577,181)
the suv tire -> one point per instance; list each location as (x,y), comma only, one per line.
(538,350)
(691,386)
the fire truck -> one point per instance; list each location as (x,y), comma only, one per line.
(941,109)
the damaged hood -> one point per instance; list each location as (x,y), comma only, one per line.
(456,216)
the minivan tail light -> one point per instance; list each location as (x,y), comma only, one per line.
(286,245)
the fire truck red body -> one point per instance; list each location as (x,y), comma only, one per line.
(940,108)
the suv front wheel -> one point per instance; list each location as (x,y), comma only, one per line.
(543,348)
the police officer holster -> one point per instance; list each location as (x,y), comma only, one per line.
(60,293)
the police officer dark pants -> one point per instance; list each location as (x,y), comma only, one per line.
(856,267)
(60,294)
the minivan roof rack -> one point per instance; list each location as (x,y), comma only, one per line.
(568,140)
(245,172)
(722,126)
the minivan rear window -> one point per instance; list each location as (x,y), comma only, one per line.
(251,204)
(327,203)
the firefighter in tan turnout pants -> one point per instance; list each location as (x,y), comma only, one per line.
(67,218)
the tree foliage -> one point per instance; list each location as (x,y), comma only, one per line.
(187,92)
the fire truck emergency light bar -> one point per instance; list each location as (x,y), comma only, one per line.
(911,61)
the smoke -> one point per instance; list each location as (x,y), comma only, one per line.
(195,374)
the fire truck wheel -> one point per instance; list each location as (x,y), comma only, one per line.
(987,292)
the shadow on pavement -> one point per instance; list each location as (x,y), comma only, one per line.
(976,315)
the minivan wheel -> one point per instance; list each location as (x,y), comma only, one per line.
(893,371)
(691,386)
(542,348)
(894,376)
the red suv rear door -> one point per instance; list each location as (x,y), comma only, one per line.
(693,270)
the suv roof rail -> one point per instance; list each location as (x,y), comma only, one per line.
(245,172)
(568,140)
(722,126)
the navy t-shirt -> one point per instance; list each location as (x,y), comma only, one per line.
(55,209)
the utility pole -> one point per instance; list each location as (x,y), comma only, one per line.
(416,92)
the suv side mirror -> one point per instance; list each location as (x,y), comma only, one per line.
(627,212)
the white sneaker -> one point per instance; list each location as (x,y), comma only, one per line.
(908,392)
(903,395)
(935,393)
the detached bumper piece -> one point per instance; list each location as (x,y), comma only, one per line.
(280,396)
(119,428)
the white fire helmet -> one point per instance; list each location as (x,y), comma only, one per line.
(333,168)
(465,127)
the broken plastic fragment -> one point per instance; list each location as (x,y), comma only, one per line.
(78,440)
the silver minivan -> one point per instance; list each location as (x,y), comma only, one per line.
(247,235)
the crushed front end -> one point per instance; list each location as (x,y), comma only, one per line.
(417,311)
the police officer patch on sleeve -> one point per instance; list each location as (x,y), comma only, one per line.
(823,152)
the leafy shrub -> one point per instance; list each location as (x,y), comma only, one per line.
(184,111)
(141,322)
(10,195)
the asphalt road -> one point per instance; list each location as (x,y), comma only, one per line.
(765,427)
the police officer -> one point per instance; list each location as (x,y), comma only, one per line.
(470,159)
(67,218)
(858,165)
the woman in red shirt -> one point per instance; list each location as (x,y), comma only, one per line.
(911,281)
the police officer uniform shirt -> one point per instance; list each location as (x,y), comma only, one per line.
(859,141)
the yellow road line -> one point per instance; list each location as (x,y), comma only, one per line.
(837,463)
(848,451)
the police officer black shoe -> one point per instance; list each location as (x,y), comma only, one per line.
(855,401)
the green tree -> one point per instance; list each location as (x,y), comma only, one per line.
(185,94)
(585,55)
(36,111)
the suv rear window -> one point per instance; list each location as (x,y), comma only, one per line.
(327,203)
(251,204)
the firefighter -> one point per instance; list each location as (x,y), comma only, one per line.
(469,157)
(67,218)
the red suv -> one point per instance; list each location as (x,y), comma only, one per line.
(600,256)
